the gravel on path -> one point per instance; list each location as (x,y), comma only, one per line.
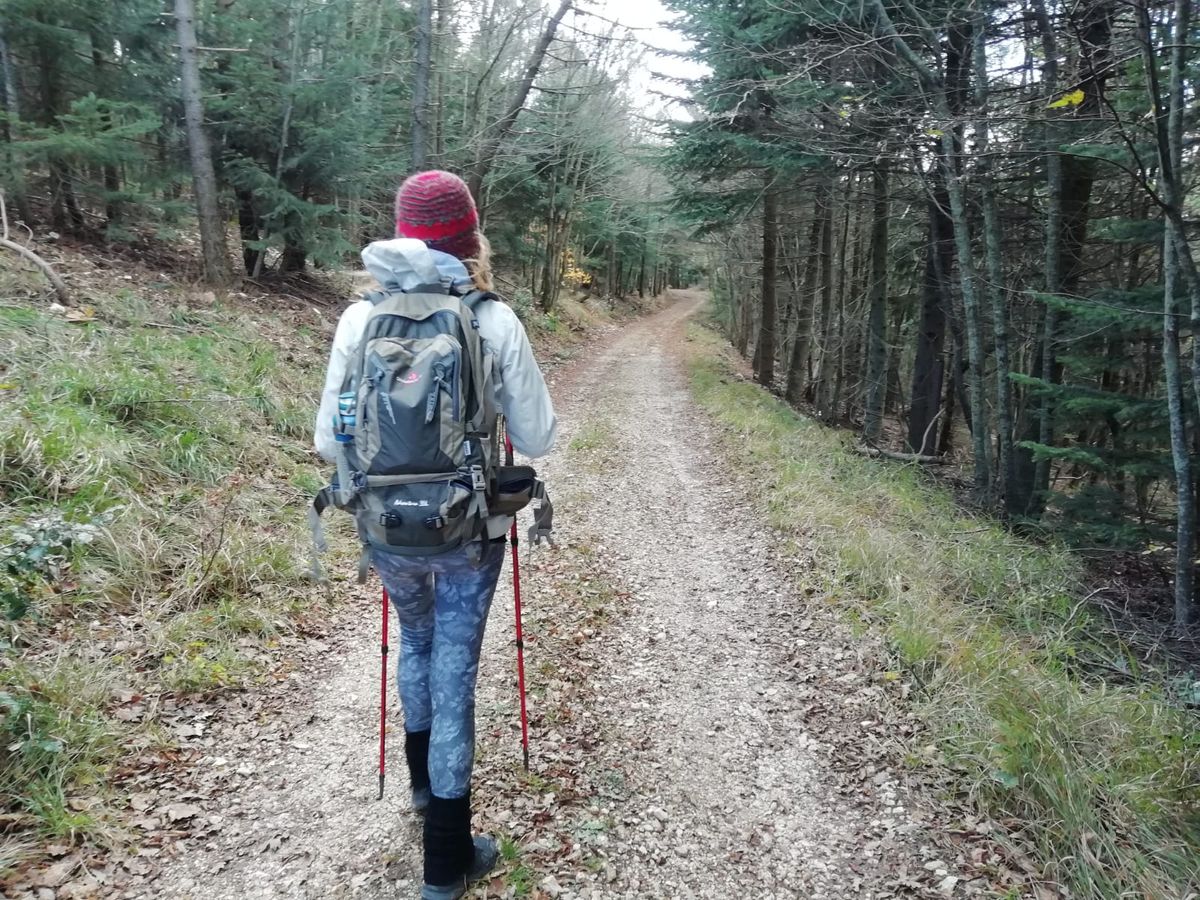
(699,731)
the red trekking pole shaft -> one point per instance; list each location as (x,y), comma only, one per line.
(516,567)
(383,673)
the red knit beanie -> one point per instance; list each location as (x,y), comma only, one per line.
(436,207)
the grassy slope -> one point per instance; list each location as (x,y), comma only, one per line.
(1103,779)
(154,471)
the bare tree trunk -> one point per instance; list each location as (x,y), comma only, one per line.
(421,71)
(797,375)
(973,324)
(929,365)
(443,40)
(294,256)
(112,177)
(486,157)
(1168,120)
(877,321)
(995,275)
(12,107)
(550,275)
(824,377)
(250,229)
(894,399)
(1053,259)
(641,279)
(766,335)
(745,324)
(65,214)
(849,291)
(1185,511)
(956,189)
(473,104)
(204,179)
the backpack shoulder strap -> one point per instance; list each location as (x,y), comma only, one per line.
(374,297)
(474,298)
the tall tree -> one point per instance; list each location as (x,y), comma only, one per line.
(204,180)
(1168,115)
(877,317)
(421,78)
(770,249)
(501,130)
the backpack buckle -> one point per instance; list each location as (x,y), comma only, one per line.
(390,520)
(435,522)
(478,481)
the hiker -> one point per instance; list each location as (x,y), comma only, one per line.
(442,599)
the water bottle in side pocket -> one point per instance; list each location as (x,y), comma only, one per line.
(346,419)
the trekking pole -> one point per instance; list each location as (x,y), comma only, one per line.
(516,567)
(383,672)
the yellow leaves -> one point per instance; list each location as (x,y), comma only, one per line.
(1071,98)
(80,314)
(573,275)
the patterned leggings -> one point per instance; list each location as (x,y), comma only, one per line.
(442,602)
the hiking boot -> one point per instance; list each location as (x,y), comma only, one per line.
(486,857)
(453,859)
(420,800)
(416,752)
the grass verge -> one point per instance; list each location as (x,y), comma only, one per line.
(154,469)
(1102,779)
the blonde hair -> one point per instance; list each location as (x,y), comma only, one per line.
(363,282)
(480,265)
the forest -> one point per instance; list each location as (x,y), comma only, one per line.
(965,230)
(126,121)
(960,228)
(898,299)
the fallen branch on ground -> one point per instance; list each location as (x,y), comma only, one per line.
(60,287)
(877,453)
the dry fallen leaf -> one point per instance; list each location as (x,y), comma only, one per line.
(130,713)
(136,866)
(178,812)
(188,729)
(58,873)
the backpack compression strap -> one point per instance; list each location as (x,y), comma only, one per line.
(321,502)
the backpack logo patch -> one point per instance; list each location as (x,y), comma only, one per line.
(411,378)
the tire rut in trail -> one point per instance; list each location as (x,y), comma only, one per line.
(699,778)
(730,793)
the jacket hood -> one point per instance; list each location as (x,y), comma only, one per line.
(404,264)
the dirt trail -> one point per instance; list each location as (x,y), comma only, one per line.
(707,704)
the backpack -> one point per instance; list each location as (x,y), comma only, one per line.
(417,435)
